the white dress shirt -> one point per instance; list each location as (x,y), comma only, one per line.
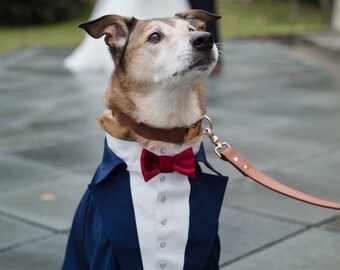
(161,207)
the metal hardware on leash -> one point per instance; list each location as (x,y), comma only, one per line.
(213,138)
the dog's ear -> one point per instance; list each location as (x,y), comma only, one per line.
(198,18)
(114,27)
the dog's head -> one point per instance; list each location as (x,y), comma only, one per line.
(159,50)
(160,67)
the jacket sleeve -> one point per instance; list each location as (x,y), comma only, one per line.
(75,256)
(88,247)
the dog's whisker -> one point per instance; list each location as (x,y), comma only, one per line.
(221,58)
(220,52)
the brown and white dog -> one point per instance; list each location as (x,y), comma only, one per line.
(161,66)
(156,105)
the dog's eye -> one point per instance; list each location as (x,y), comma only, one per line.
(155,37)
(191,29)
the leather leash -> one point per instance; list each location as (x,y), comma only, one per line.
(224,151)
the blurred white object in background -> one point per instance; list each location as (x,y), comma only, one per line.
(93,55)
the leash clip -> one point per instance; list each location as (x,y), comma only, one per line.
(213,138)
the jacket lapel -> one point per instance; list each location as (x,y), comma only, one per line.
(111,193)
(206,199)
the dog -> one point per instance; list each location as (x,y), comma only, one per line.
(150,205)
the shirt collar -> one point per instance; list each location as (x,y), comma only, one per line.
(130,152)
(118,153)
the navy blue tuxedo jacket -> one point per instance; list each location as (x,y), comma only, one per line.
(104,234)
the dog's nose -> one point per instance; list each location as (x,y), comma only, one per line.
(202,41)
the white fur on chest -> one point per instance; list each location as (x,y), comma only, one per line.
(168,108)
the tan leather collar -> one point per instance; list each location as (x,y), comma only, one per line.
(178,135)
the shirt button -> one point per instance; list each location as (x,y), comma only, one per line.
(162,265)
(164,221)
(162,178)
(163,150)
(163,199)
(163,244)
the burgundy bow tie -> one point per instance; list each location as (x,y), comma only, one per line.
(152,164)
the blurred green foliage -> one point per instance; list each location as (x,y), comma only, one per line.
(260,18)
(33,12)
(264,18)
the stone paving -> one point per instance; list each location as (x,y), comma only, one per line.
(279,106)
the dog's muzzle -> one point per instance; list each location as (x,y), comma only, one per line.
(202,55)
(202,41)
(203,44)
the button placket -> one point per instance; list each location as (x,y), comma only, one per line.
(162,209)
